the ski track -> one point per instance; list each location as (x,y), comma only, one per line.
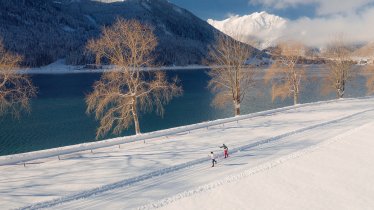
(138,183)
(257,169)
(195,170)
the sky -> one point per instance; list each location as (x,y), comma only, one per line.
(221,9)
(313,20)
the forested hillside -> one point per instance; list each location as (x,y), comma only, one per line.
(45,30)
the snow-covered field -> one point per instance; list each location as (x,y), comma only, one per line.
(335,175)
(317,156)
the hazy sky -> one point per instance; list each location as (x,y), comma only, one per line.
(314,21)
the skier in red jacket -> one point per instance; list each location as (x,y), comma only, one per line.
(225,150)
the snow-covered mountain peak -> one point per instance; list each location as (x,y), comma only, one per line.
(260,28)
(264,16)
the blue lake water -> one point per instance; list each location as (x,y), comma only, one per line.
(58,115)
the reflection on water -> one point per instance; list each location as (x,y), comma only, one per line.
(58,115)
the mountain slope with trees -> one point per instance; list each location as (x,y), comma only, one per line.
(43,31)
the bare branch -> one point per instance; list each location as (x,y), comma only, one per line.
(340,64)
(120,96)
(15,89)
(286,74)
(233,79)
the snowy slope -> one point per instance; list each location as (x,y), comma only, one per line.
(261,29)
(60,67)
(335,175)
(168,168)
(365,54)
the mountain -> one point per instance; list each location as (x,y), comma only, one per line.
(46,30)
(366,51)
(259,29)
(364,54)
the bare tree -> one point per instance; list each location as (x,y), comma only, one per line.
(286,73)
(16,89)
(120,95)
(93,46)
(339,64)
(231,78)
(370,79)
(367,52)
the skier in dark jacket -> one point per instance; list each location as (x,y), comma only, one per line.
(225,150)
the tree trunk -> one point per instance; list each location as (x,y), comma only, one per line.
(237,96)
(341,89)
(136,119)
(295,98)
(236,108)
(136,122)
(340,93)
(97,60)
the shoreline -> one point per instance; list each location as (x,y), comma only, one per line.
(70,149)
(59,67)
(140,170)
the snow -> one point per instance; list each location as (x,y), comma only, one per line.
(59,67)
(335,175)
(259,27)
(146,5)
(68,29)
(312,156)
(91,19)
(30,156)
(178,9)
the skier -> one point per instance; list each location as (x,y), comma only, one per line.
(225,150)
(213,158)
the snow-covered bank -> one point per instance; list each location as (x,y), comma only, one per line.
(59,67)
(56,152)
(138,174)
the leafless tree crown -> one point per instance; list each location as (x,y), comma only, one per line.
(15,89)
(339,64)
(286,73)
(120,95)
(231,77)
(368,52)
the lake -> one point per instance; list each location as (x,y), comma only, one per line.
(58,115)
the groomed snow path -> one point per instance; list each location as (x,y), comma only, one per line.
(269,164)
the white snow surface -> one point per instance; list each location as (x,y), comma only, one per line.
(313,156)
(60,67)
(334,175)
(260,28)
